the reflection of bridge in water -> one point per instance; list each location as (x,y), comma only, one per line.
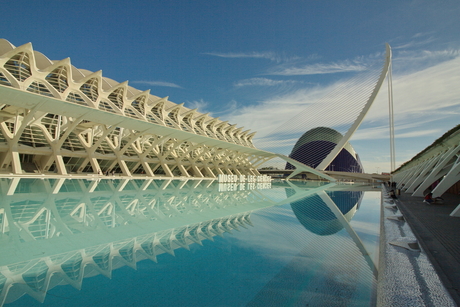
(61,231)
(349,176)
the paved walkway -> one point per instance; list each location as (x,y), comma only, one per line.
(438,234)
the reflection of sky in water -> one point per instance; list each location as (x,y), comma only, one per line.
(276,262)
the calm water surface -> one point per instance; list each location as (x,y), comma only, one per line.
(187,243)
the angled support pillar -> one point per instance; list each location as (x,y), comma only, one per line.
(95,165)
(414,174)
(408,176)
(183,170)
(236,171)
(428,166)
(148,169)
(196,172)
(254,172)
(124,167)
(449,180)
(219,171)
(15,162)
(166,169)
(209,172)
(437,172)
(399,177)
(60,165)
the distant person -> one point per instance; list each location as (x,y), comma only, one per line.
(429,198)
(392,194)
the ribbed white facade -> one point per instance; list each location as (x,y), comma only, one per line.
(435,169)
(56,118)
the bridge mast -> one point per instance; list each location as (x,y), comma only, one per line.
(391,117)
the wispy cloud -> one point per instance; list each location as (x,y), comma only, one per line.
(422,95)
(157,83)
(263,82)
(333,105)
(269,55)
(382,132)
(201,105)
(423,34)
(426,103)
(416,42)
(319,68)
(229,108)
(424,58)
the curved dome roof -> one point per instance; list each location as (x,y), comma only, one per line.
(322,134)
(316,144)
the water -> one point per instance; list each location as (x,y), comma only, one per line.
(187,243)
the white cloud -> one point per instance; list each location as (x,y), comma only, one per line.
(422,34)
(320,68)
(201,105)
(422,96)
(382,132)
(257,55)
(426,104)
(407,61)
(336,105)
(416,42)
(263,82)
(158,83)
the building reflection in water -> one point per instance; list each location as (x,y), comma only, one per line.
(316,216)
(57,231)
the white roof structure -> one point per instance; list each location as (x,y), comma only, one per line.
(435,169)
(57,118)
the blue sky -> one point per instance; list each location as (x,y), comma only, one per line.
(249,61)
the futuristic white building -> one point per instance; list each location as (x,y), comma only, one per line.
(315,144)
(435,169)
(56,118)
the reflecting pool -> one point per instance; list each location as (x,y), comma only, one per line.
(187,243)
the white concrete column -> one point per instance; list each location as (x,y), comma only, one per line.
(60,165)
(15,162)
(423,174)
(183,170)
(124,167)
(437,172)
(410,179)
(95,165)
(449,180)
(196,171)
(147,169)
